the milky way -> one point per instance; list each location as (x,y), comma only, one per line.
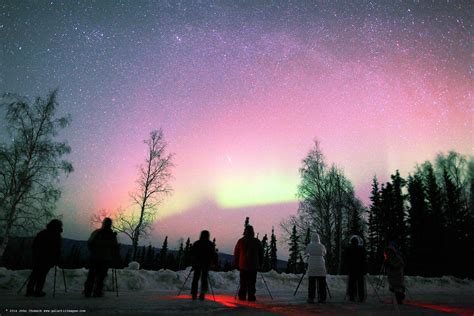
(241,91)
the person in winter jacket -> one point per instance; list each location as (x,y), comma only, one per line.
(204,256)
(103,249)
(46,254)
(356,266)
(248,256)
(394,265)
(316,269)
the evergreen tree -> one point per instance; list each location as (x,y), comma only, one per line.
(266,254)
(180,255)
(400,231)
(273,251)
(218,264)
(141,256)
(128,257)
(187,253)
(387,214)
(457,229)
(294,252)
(375,236)
(435,229)
(307,237)
(418,249)
(149,257)
(170,261)
(164,254)
(355,225)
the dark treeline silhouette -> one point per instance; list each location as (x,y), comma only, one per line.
(75,255)
(430,216)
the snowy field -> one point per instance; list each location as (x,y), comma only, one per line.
(142,292)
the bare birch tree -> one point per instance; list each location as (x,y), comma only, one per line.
(30,164)
(153,185)
(326,200)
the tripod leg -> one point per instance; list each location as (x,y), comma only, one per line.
(116,282)
(299,283)
(113,280)
(210,285)
(182,287)
(26,281)
(265,282)
(64,279)
(54,285)
(329,292)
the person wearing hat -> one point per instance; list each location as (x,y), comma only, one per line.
(356,266)
(248,256)
(316,269)
(103,248)
(203,253)
(46,254)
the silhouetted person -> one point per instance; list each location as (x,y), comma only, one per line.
(103,248)
(316,270)
(356,266)
(394,266)
(204,255)
(46,254)
(248,256)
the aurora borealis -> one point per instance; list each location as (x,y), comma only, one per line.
(241,90)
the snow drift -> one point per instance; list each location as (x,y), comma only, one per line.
(130,279)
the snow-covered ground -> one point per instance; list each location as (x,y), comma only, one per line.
(151,292)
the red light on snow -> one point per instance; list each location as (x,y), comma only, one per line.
(225,300)
(442,308)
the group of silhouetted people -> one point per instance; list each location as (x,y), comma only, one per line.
(103,248)
(248,257)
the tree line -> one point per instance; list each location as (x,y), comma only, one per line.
(429,214)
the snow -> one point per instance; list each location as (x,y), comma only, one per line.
(132,279)
(142,292)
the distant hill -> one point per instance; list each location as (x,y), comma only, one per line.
(18,253)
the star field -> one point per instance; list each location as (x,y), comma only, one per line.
(241,90)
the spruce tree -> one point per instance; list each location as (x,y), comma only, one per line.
(457,228)
(149,257)
(400,231)
(435,229)
(273,251)
(307,237)
(418,249)
(187,253)
(375,235)
(164,254)
(266,254)
(180,255)
(128,257)
(218,264)
(294,252)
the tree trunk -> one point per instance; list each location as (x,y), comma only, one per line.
(3,245)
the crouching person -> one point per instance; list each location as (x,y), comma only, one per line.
(103,249)
(394,266)
(316,270)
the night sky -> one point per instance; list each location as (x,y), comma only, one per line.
(241,90)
